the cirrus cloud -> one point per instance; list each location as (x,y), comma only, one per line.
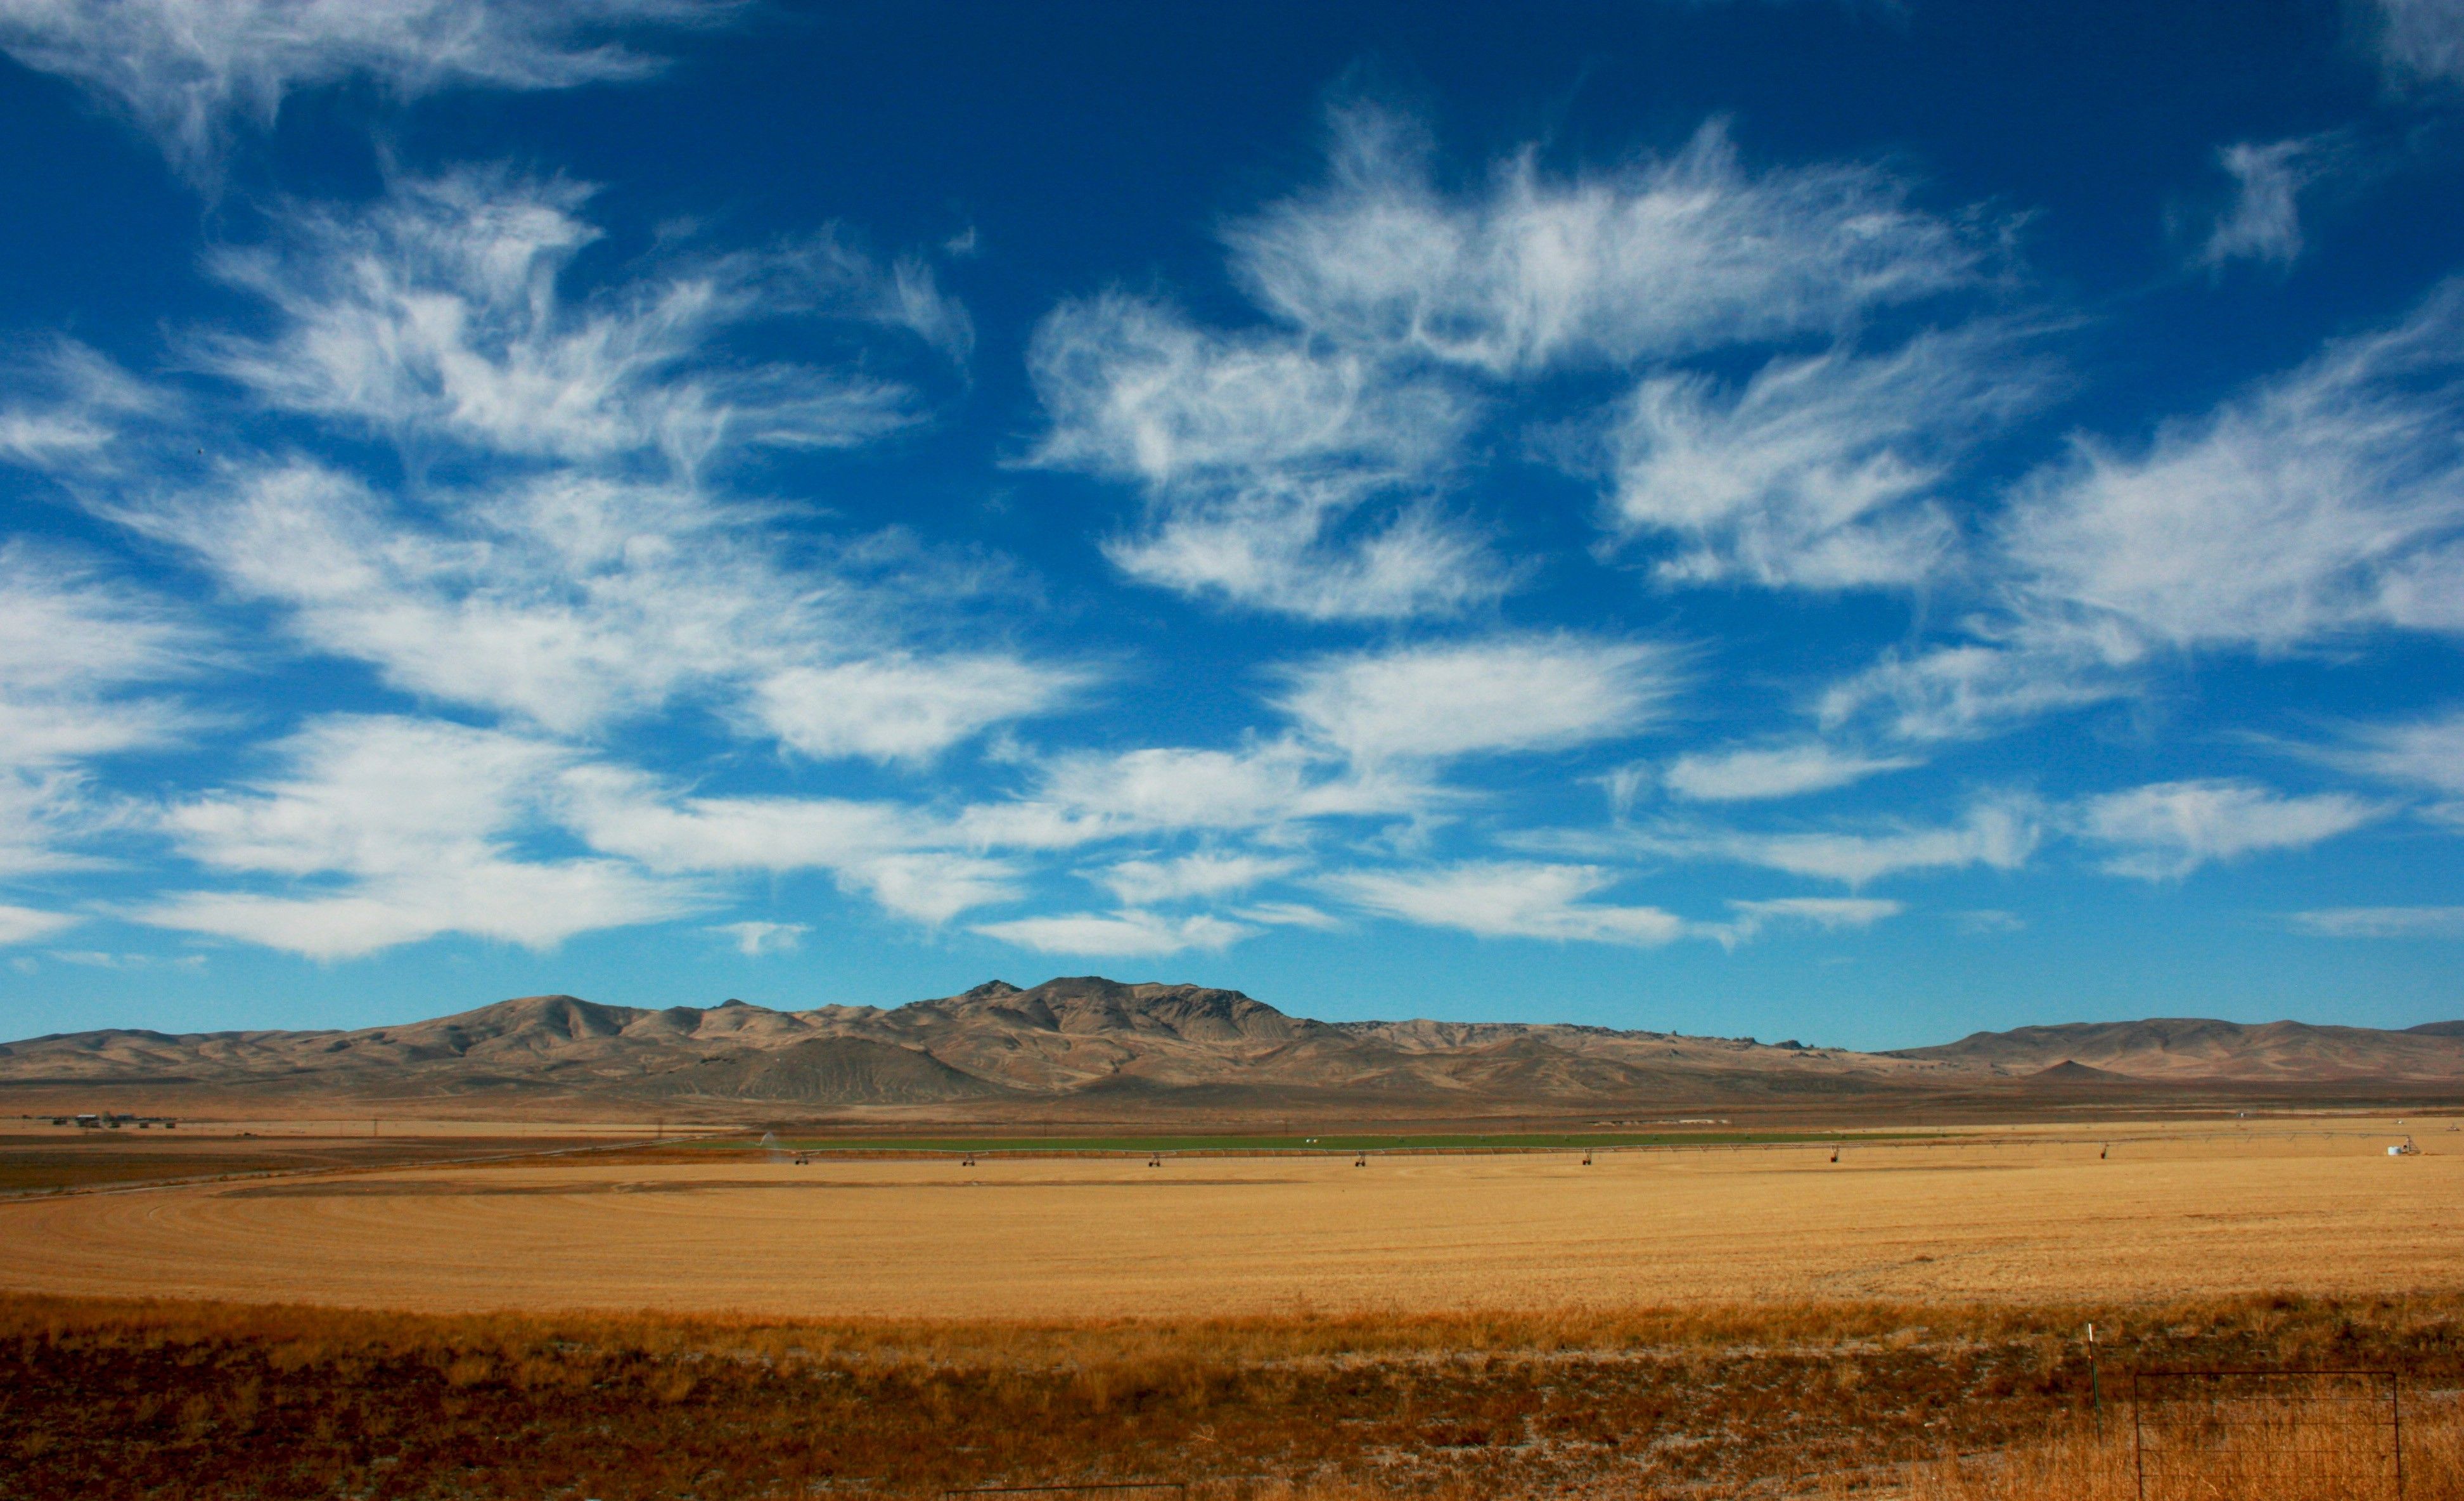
(2166,830)
(1755,773)
(2382,922)
(2327,501)
(1496,694)
(188,71)
(1498,899)
(1118,935)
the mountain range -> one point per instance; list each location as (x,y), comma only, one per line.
(1090,1047)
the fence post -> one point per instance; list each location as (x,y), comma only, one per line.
(2095,1386)
(2137,1437)
(2395,1423)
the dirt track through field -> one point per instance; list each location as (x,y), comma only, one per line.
(1054,1238)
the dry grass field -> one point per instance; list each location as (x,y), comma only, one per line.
(709,1320)
(2190,1212)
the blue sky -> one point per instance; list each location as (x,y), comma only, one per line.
(1854,522)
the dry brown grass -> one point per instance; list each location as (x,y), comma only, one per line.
(229,1400)
(2257,1464)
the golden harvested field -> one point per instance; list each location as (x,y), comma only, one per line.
(2172,1214)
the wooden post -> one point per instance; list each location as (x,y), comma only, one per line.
(2395,1422)
(2095,1386)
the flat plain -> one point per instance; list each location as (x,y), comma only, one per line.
(2057,1215)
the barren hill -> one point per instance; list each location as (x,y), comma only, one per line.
(1097,1044)
(2178,1048)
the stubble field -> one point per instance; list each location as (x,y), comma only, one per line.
(2018,1217)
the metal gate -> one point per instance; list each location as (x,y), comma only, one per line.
(2267,1435)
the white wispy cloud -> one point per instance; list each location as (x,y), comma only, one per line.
(911,864)
(567,601)
(367,792)
(1299,466)
(1982,921)
(903,707)
(2423,753)
(46,816)
(1508,900)
(574,602)
(1487,695)
(2265,221)
(2166,830)
(188,70)
(439,313)
(2324,503)
(754,939)
(1145,883)
(1260,785)
(1755,773)
(1665,256)
(575,570)
(2328,501)
(386,830)
(1289,915)
(932,886)
(1966,689)
(1119,934)
(2382,922)
(1370,728)
(68,405)
(1826,914)
(98,959)
(1289,551)
(27,924)
(82,655)
(72,642)
(622,812)
(2421,41)
(1135,391)
(1998,833)
(536,906)
(1821,472)
(1257,454)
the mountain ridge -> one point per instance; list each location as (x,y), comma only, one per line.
(1092,1038)
(2202,1047)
